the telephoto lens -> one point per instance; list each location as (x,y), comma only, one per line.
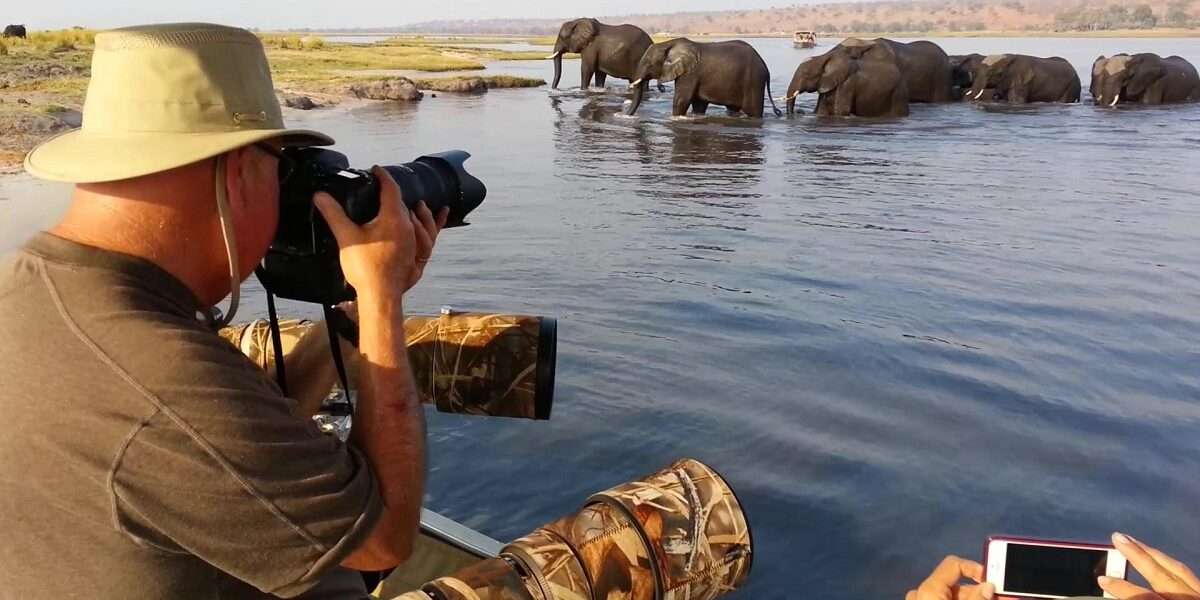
(678,534)
(483,364)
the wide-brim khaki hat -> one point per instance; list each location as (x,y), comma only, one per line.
(165,96)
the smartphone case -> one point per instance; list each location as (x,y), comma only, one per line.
(1028,540)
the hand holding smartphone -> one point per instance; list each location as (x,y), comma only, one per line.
(1033,568)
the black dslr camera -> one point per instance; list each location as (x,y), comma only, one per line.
(302,263)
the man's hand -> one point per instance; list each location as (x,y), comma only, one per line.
(1169,578)
(387,255)
(946,582)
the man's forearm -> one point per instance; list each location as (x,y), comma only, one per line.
(389,425)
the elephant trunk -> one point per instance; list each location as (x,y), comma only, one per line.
(557,68)
(638,91)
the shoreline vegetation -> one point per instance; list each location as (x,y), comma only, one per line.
(44,77)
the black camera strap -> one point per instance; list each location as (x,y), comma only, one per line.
(332,318)
(276,343)
(335,347)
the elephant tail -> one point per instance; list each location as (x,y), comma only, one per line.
(771,97)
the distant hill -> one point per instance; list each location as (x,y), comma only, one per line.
(903,16)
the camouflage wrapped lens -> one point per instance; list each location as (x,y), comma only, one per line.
(553,564)
(678,534)
(613,552)
(695,526)
(484,364)
(254,339)
(492,579)
(414,595)
(464,363)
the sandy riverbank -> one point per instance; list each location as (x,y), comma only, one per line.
(43,79)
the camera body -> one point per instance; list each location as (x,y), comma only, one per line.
(302,262)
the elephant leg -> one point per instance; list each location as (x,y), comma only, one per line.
(752,104)
(601,77)
(699,107)
(679,106)
(587,69)
(661,88)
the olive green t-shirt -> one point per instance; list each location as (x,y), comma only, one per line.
(144,457)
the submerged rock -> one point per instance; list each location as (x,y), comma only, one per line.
(298,101)
(401,89)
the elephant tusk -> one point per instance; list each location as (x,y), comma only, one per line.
(788,97)
(979,95)
(635,83)
(1115,100)
(553,56)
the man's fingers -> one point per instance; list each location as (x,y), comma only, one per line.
(424,217)
(443,216)
(1160,578)
(983,591)
(953,569)
(424,241)
(390,198)
(1123,590)
(341,225)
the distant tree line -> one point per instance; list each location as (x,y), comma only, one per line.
(1115,16)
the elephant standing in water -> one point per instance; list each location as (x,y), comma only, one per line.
(924,65)
(1144,79)
(603,50)
(851,86)
(1020,79)
(962,74)
(731,74)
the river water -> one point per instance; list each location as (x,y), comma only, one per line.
(892,338)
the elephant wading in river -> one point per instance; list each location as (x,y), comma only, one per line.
(1020,79)
(1144,79)
(962,74)
(603,50)
(731,74)
(924,65)
(850,86)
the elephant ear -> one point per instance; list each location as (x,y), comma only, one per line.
(582,34)
(837,71)
(681,58)
(1098,67)
(1145,73)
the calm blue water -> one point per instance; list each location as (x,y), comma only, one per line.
(893,338)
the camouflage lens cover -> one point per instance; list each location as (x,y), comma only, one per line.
(484,364)
(492,579)
(553,564)
(464,363)
(695,526)
(414,595)
(613,552)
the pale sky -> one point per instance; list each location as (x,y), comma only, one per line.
(55,14)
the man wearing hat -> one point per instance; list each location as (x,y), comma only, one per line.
(145,457)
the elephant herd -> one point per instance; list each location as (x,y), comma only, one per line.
(865,78)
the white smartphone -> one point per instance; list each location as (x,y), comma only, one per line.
(1031,568)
